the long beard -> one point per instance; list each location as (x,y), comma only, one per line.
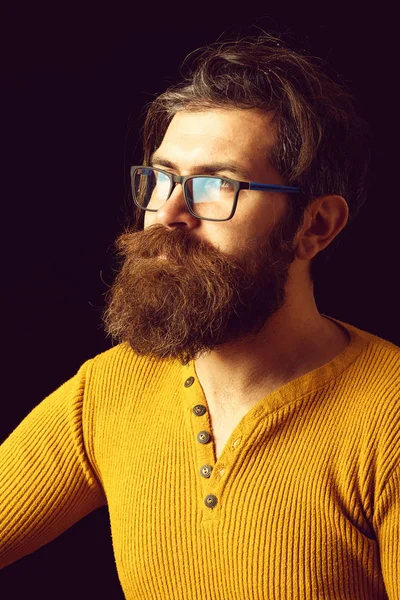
(197,298)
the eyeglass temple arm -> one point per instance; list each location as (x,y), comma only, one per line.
(269,187)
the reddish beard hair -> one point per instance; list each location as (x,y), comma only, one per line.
(198,298)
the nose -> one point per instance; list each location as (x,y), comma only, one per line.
(174,212)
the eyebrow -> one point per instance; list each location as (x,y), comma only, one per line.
(203,169)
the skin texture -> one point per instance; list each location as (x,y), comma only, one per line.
(297,338)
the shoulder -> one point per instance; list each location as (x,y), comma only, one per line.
(371,405)
(371,373)
(114,359)
(120,370)
(380,357)
(374,385)
(373,356)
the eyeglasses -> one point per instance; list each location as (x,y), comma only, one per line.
(207,197)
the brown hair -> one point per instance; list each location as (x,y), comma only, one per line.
(321,140)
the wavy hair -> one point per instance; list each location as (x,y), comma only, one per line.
(321,140)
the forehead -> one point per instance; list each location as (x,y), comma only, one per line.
(243,136)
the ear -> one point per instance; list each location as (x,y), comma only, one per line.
(323,220)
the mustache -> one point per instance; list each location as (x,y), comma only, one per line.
(156,240)
(176,244)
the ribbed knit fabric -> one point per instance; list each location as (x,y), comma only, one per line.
(307,489)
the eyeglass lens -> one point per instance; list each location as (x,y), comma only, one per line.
(209,197)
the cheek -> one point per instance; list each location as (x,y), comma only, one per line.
(228,237)
(248,234)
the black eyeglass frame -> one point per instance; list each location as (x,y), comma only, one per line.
(237,185)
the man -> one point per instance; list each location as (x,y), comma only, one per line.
(246,445)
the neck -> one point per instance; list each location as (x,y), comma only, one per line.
(288,346)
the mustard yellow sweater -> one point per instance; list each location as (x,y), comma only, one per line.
(303,503)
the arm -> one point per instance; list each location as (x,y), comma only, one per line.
(387,525)
(46,481)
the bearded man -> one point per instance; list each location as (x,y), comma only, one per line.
(246,445)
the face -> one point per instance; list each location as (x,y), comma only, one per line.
(188,286)
(239,141)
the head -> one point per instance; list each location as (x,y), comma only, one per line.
(264,113)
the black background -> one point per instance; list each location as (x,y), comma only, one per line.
(73,85)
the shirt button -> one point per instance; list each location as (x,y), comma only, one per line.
(211,501)
(199,410)
(203,437)
(189,381)
(205,471)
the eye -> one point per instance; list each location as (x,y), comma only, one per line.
(226,185)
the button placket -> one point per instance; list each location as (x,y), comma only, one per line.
(203,436)
(210,497)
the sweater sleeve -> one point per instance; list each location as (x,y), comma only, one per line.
(387,524)
(46,481)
